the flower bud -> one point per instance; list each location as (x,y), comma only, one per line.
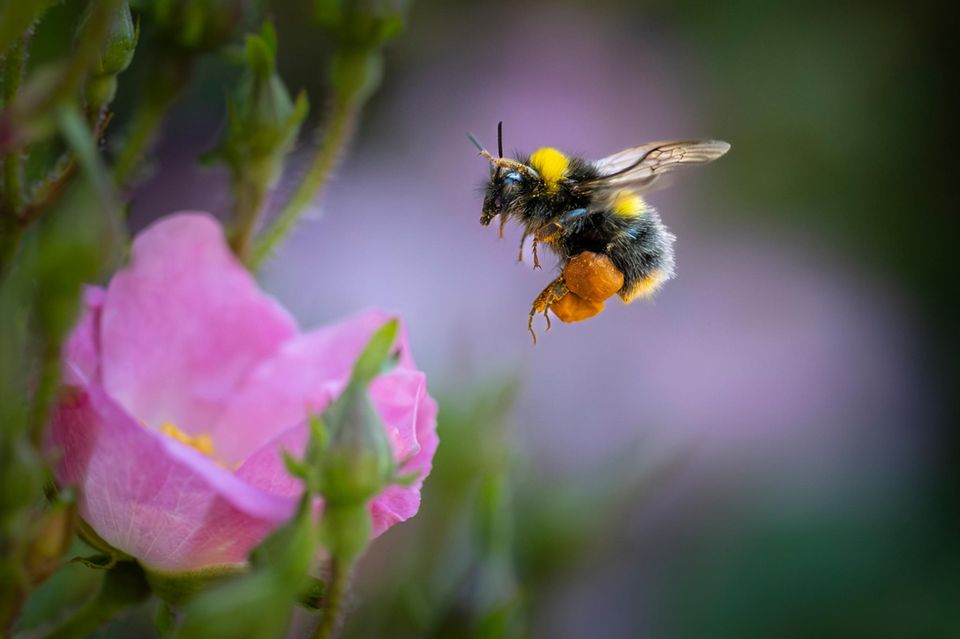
(116,53)
(360,28)
(352,453)
(360,24)
(120,44)
(197,25)
(358,462)
(264,121)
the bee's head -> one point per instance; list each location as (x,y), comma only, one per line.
(506,180)
(501,195)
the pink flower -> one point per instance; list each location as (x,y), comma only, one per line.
(185,383)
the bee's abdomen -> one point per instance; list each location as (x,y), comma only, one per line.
(642,248)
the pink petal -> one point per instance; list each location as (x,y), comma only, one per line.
(152,497)
(183,324)
(81,352)
(300,378)
(399,503)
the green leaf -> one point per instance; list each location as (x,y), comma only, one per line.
(123,586)
(16,16)
(80,140)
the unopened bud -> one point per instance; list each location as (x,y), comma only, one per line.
(264,120)
(198,25)
(120,44)
(358,461)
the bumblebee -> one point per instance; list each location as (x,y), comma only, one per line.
(592,215)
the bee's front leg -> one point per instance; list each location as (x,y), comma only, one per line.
(568,223)
(547,297)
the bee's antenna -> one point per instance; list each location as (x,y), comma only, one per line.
(500,162)
(500,138)
(496,175)
(475,143)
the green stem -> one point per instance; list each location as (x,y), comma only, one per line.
(339,130)
(142,130)
(44,195)
(47,384)
(250,193)
(333,608)
(11,232)
(14,65)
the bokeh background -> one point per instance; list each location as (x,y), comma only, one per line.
(764,450)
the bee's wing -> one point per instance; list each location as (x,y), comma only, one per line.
(638,168)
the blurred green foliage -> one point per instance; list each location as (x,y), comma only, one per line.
(61,223)
(837,113)
(494,537)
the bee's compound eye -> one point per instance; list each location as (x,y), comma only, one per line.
(511,178)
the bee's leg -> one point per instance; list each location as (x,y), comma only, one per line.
(523,240)
(503,223)
(567,224)
(536,258)
(548,296)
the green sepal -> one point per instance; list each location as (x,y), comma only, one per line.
(295,466)
(178,588)
(375,354)
(99,561)
(407,479)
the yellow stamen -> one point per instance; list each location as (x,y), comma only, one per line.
(202,443)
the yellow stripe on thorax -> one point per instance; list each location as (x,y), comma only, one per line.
(551,164)
(626,203)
